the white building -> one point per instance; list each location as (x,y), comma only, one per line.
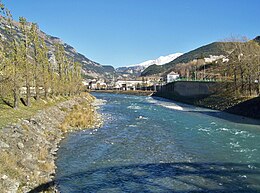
(128,84)
(97,84)
(172,76)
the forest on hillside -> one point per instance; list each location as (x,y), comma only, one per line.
(25,67)
(238,63)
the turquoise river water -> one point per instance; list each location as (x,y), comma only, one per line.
(153,145)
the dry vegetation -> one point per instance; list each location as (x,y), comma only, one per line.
(38,167)
(80,116)
(222,100)
(8,164)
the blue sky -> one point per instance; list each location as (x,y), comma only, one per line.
(124,32)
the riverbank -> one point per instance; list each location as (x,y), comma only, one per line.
(28,148)
(207,97)
(213,95)
(243,106)
(129,92)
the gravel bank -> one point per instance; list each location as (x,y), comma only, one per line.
(28,148)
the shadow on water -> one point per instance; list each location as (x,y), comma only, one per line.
(213,113)
(163,177)
(230,117)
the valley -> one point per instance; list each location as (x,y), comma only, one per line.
(154,101)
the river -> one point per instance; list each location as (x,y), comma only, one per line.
(153,145)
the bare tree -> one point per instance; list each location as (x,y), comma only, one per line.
(242,57)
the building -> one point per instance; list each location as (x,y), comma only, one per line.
(172,76)
(128,84)
(97,85)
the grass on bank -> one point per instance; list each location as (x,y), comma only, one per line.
(9,115)
(81,116)
(10,166)
(221,102)
(8,163)
(9,160)
(224,98)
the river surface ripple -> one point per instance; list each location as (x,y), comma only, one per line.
(153,145)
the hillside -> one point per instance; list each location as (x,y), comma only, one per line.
(257,39)
(207,51)
(89,67)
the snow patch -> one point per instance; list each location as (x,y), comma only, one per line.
(159,61)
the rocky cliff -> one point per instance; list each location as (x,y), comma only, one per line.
(89,67)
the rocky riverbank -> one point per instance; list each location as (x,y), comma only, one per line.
(28,148)
(213,95)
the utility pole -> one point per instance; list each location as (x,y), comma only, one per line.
(204,72)
(195,72)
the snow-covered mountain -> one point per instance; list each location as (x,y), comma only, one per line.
(136,69)
(159,61)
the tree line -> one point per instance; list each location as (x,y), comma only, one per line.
(243,65)
(238,66)
(25,68)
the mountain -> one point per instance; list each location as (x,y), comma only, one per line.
(257,39)
(159,61)
(137,69)
(205,55)
(90,69)
(211,52)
